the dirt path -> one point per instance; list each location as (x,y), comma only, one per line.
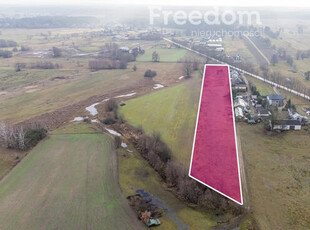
(242,172)
(257,49)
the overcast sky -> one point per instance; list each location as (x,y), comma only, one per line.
(282,3)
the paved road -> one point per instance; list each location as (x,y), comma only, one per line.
(243,71)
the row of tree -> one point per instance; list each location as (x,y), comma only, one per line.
(99,64)
(7,43)
(18,137)
(37,65)
(159,156)
(112,56)
(292,83)
(302,54)
(281,54)
(276,77)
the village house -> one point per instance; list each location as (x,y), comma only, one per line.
(296,116)
(237,82)
(275,100)
(287,125)
(261,112)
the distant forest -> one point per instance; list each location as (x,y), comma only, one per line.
(48,22)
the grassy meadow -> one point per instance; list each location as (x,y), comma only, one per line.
(263,88)
(171,112)
(276,171)
(165,54)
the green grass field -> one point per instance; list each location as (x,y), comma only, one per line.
(26,105)
(277,171)
(66,182)
(166,55)
(263,88)
(172,112)
(10,79)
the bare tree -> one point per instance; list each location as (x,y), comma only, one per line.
(21,138)
(187,68)
(4,134)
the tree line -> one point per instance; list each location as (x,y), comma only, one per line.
(37,65)
(19,137)
(276,77)
(7,43)
(175,175)
(112,57)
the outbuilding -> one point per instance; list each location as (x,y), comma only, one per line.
(287,125)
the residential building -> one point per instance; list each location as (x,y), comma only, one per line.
(275,100)
(261,112)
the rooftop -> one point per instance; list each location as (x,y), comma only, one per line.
(262,111)
(275,97)
(288,122)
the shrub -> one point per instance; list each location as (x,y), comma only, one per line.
(5,54)
(117,141)
(150,73)
(111,105)
(34,135)
(109,121)
(56,52)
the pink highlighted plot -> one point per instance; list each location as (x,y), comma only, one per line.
(214,161)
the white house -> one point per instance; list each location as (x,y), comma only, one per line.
(275,100)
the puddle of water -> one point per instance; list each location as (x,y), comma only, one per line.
(158,86)
(125,95)
(92,110)
(79,118)
(113,132)
(171,213)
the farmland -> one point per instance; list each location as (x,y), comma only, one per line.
(72,188)
(76,179)
(51,97)
(166,55)
(276,169)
